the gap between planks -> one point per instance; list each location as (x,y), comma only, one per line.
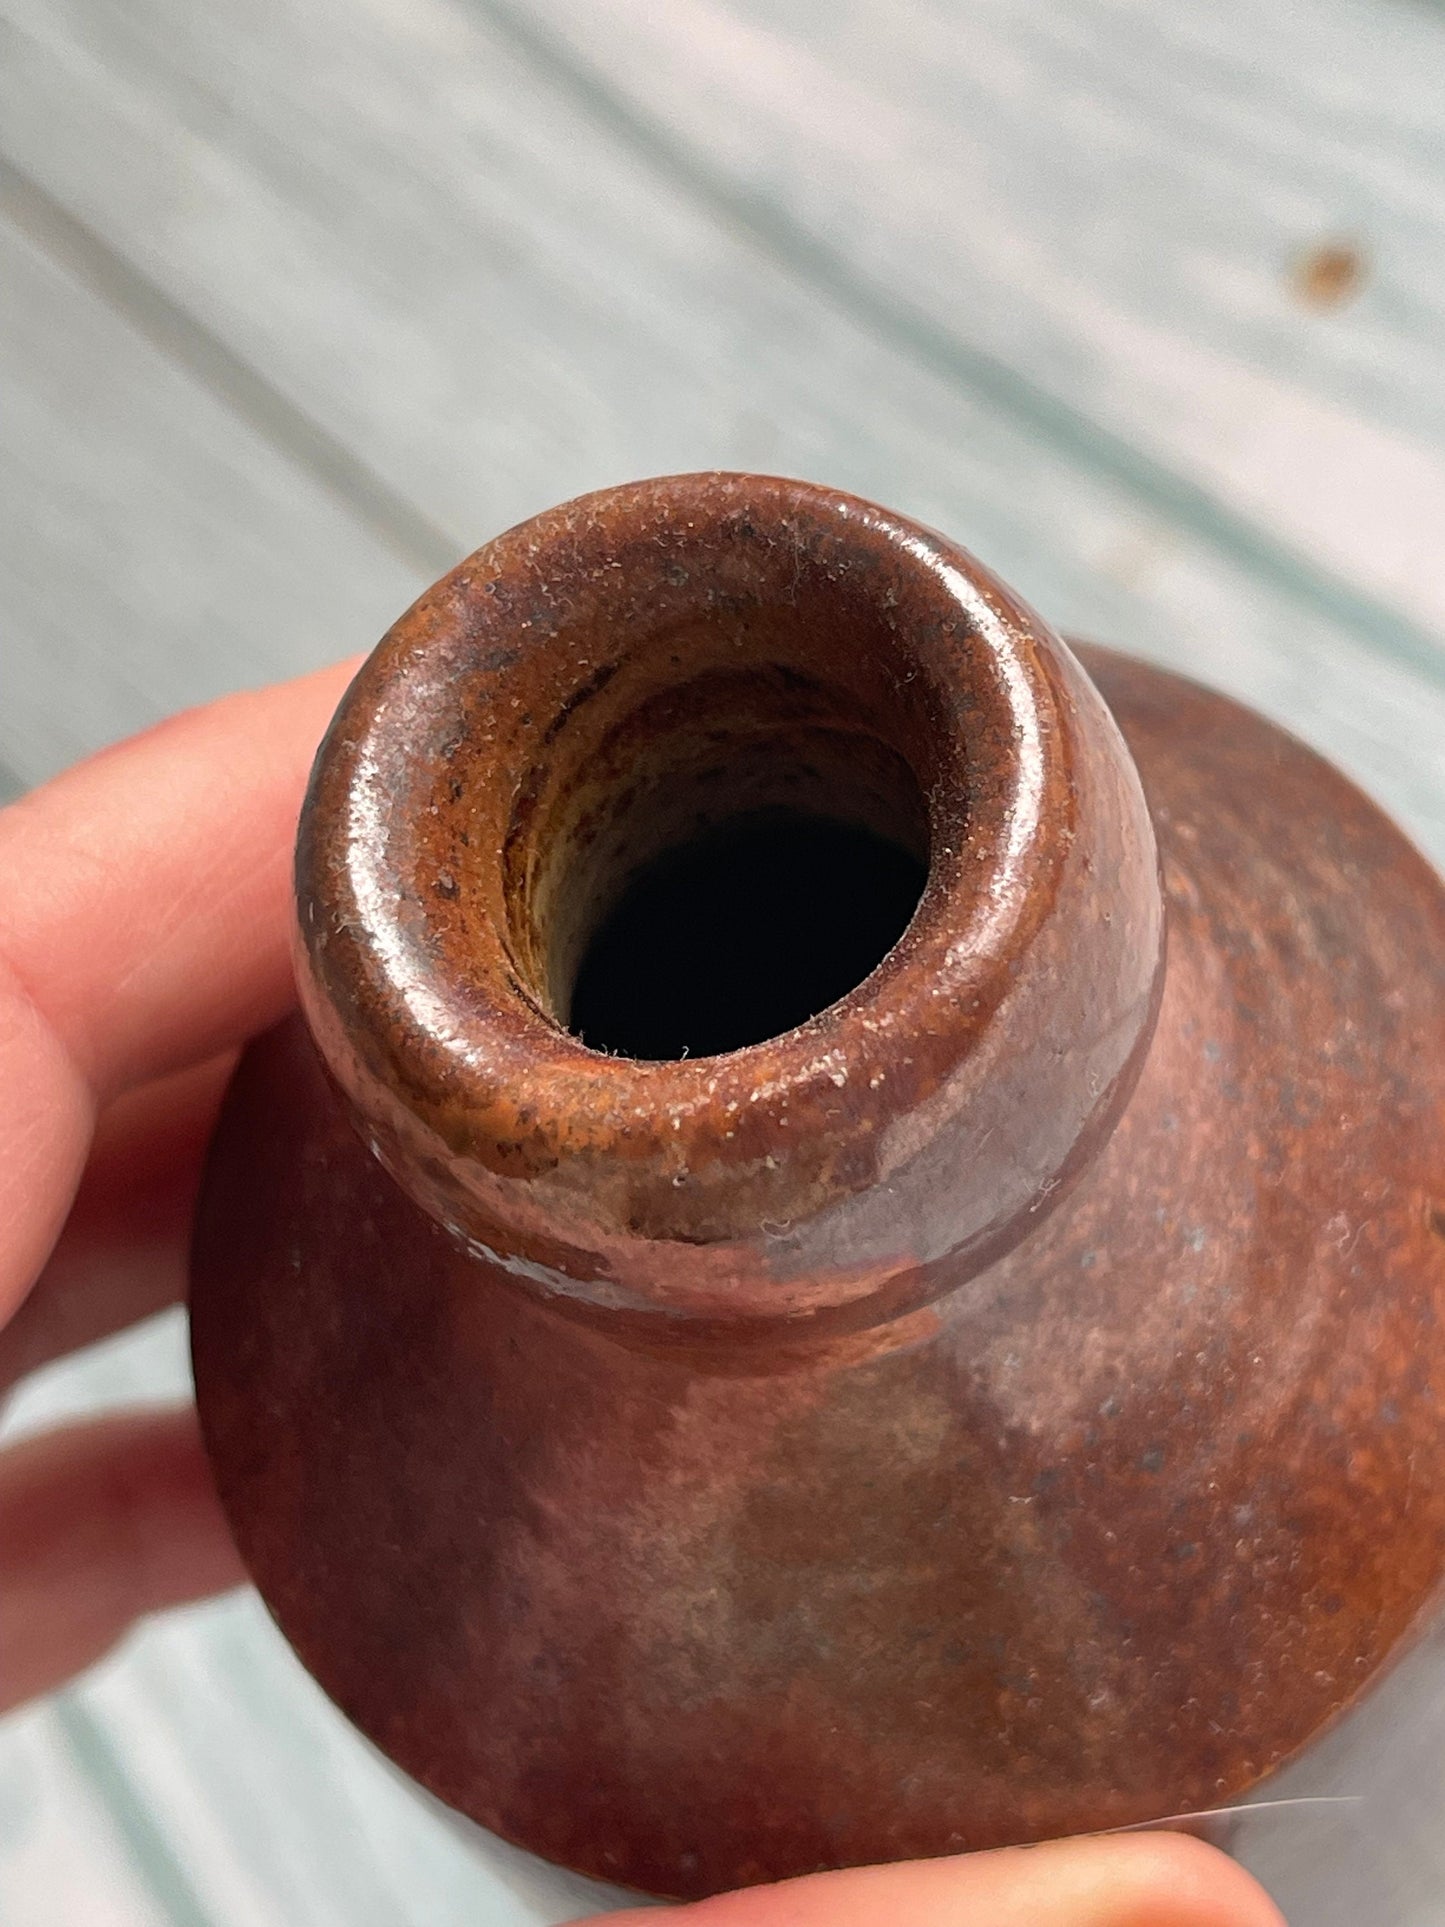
(411,536)
(914,332)
(896,322)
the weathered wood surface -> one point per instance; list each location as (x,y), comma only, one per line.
(299,303)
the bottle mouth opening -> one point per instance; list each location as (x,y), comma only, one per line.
(716,862)
(743,932)
(710,779)
(707,806)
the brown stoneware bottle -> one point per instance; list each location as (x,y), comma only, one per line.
(846,1261)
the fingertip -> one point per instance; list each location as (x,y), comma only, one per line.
(1175,1880)
(1133,1880)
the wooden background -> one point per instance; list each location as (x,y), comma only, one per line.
(301,299)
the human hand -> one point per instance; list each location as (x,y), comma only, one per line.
(144,935)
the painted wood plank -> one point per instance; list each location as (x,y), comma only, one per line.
(61,1856)
(475,284)
(156,549)
(1098,208)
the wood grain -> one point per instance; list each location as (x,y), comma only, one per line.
(510,303)
(165,550)
(1102,206)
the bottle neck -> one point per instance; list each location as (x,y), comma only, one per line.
(586,702)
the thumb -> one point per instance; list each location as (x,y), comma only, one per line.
(1139,1880)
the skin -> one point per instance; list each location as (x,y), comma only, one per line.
(144,917)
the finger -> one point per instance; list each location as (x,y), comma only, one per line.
(123,1252)
(144,925)
(146,891)
(1140,1880)
(45,1125)
(101,1524)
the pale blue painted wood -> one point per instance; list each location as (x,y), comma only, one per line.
(154,550)
(508,304)
(1091,209)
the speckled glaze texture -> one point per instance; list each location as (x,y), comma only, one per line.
(1009,1403)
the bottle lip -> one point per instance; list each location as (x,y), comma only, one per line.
(785,1177)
